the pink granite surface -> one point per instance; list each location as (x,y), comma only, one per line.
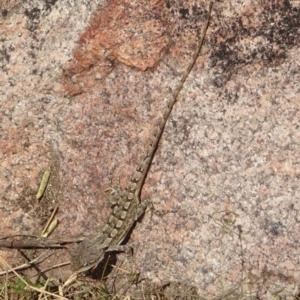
(81,88)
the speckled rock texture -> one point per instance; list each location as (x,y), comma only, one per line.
(82,84)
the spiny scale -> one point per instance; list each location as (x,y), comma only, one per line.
(126,203)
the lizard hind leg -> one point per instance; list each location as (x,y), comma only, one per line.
(114,195)
(115,190)
(110,261)
(148,205)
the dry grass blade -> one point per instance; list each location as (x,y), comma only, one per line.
(39,290)
(43,184)
(31,242)
(44,288)
(24,266)
(50,220)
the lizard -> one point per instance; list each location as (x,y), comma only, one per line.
(126,205)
